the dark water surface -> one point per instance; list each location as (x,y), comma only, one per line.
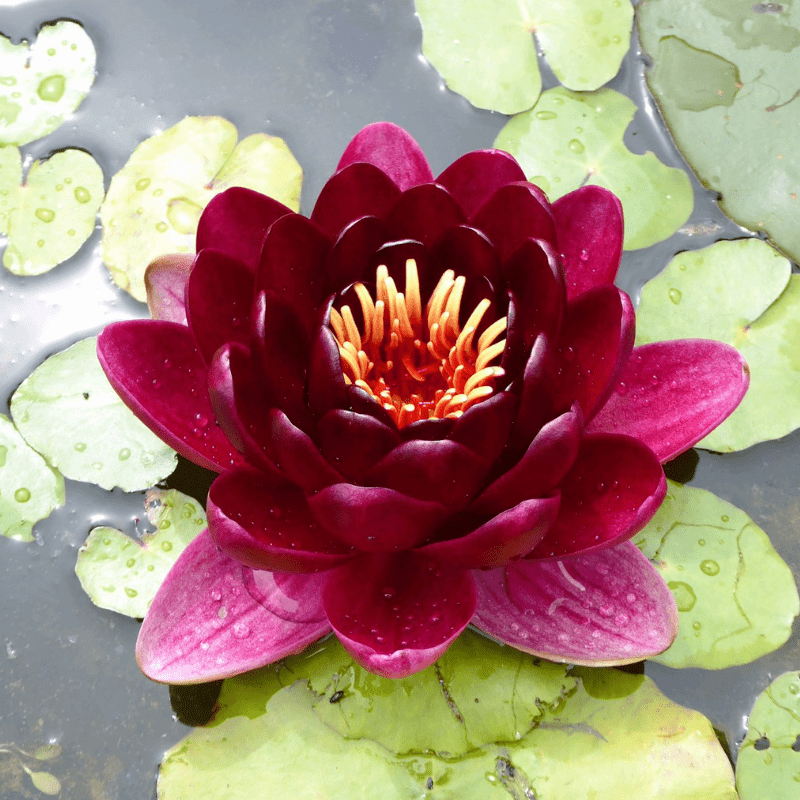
(312,72)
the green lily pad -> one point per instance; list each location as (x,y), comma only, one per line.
(767,767)
(610,734)
(122,574)
(725,79)
(485,49)
(29,489)
(49,217)
(718,564)
(68,412)
(740,292)
(43,84)
(567,140)
(155,201)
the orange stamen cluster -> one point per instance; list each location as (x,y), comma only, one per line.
(418,364)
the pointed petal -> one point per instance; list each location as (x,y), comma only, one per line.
(392,150)
(266,524)
(156,369)
(613,489)
(375,519)
(423,213)
(504,538)
(671,394)
(165,282)
(606,608)
(326,386)
(397,614)
(236,221)
(485,427)
(349,258)
(535,398)
(204,623)
(589,229)
(475,177)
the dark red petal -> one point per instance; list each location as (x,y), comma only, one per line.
(604,608)
(292,261)
(547,459)
(476,176)
(219,295)
(671,394)
(535,398)
(613,489)
(393,256)
(485,427)
(267,524)
(375,519)
(423,213)
(391,149)
(205,624)
(354,443)
(165,282)
(589,229)
(596,342)
(326,386)
(349,258)
(504,538)
(440,471)
(362,403)
(156,369)
(514,213)
(359,190)
(397,614)
(236,221)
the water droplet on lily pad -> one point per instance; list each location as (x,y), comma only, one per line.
(576,146)
(124,454)
(166,546)
(45,214)
(22,495)
(709,567)
(131,592)
(546,115)
(80,447)
(130,562)
(142,184)
(52,89)
(675,295)
(82,195)
(685,597)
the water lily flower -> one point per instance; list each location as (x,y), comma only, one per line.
(426,411)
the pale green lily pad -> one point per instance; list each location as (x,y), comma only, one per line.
(736,596)
(568,140)
(49,217)
(41,85)
(155,201)
(725,78)
(767,767)
(10,183)
(739,292)
(29,489)
(122,574)
(68,411)
(486,52)
(611,737)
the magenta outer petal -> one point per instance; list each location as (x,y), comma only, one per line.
(504,538)
(589,225)
(602,609)
(187,638)
(397,614)
(165,282)
(424,213)
(156,369)
(375,519)
(671,394)
(392,150)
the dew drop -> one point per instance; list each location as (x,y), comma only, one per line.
(709,567)
(45,214)
(222,612)
(685,598)
(183,214)
(142,184)
(124,454)
(725,518)
(162,227)
(130,592)
(675,295)
(216,595)
(697,625)
(22,495)
(82,195)
(51,89)
(576,146)
(546,115)
(240,631)
(701,542)
(166,546)
(130,562)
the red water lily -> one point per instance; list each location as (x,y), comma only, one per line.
(427,411)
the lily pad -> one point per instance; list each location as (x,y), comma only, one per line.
(485,49)
(29,489)
(767,766)
(610,735)
(68,412)
(567,140)
(122,574)
(736,597)
(725,79)
(49,217)
(740,292)
(155,200)
(42,84)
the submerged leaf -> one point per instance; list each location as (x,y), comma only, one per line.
(740,292)
(68,411)
(155,200)
(568,140)
(42,84)
(736,597)
(122,574)
(29,489)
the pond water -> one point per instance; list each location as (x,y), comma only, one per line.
(312,72)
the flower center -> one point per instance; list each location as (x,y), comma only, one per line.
(418,364)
